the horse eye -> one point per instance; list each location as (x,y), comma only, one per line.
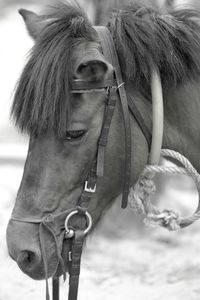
(74,135)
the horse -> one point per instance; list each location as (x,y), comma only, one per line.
(60,102)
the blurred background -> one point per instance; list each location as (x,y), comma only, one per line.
(123,258)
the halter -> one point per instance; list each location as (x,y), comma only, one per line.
(59,224)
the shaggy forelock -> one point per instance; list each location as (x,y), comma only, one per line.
(42,98)
(143,37)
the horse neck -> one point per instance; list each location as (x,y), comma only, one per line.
(182,126)
(181,119)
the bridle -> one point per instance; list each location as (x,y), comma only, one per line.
(59,225)
(112,85)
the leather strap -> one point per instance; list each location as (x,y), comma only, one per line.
(55,288)
(103,140)
(97,168)
(79,85)
(110,54)
(74,263)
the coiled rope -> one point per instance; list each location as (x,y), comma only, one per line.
(139,196)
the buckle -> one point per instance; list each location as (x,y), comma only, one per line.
(89,189)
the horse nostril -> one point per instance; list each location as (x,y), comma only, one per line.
(27,260)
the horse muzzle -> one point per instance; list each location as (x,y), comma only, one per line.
(41,248)
(34,249)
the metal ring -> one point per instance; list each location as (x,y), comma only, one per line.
(70,232)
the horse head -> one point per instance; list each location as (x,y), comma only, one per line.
(64,128)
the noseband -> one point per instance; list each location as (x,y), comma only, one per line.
(59,225)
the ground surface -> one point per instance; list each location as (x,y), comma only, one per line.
(123,259)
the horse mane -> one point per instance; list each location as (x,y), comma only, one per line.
(145,37)
(42,99)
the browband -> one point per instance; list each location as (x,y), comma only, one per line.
(81,85)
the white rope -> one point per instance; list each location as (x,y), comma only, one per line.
(140,195)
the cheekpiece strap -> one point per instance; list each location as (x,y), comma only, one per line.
(103,140)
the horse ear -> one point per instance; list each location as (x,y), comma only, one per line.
(93,70)
(34,23)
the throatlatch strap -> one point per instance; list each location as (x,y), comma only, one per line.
(110,54)
(75,262)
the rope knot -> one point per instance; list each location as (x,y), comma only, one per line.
(143,189)
(167,219)
(147,185)
(140,196)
